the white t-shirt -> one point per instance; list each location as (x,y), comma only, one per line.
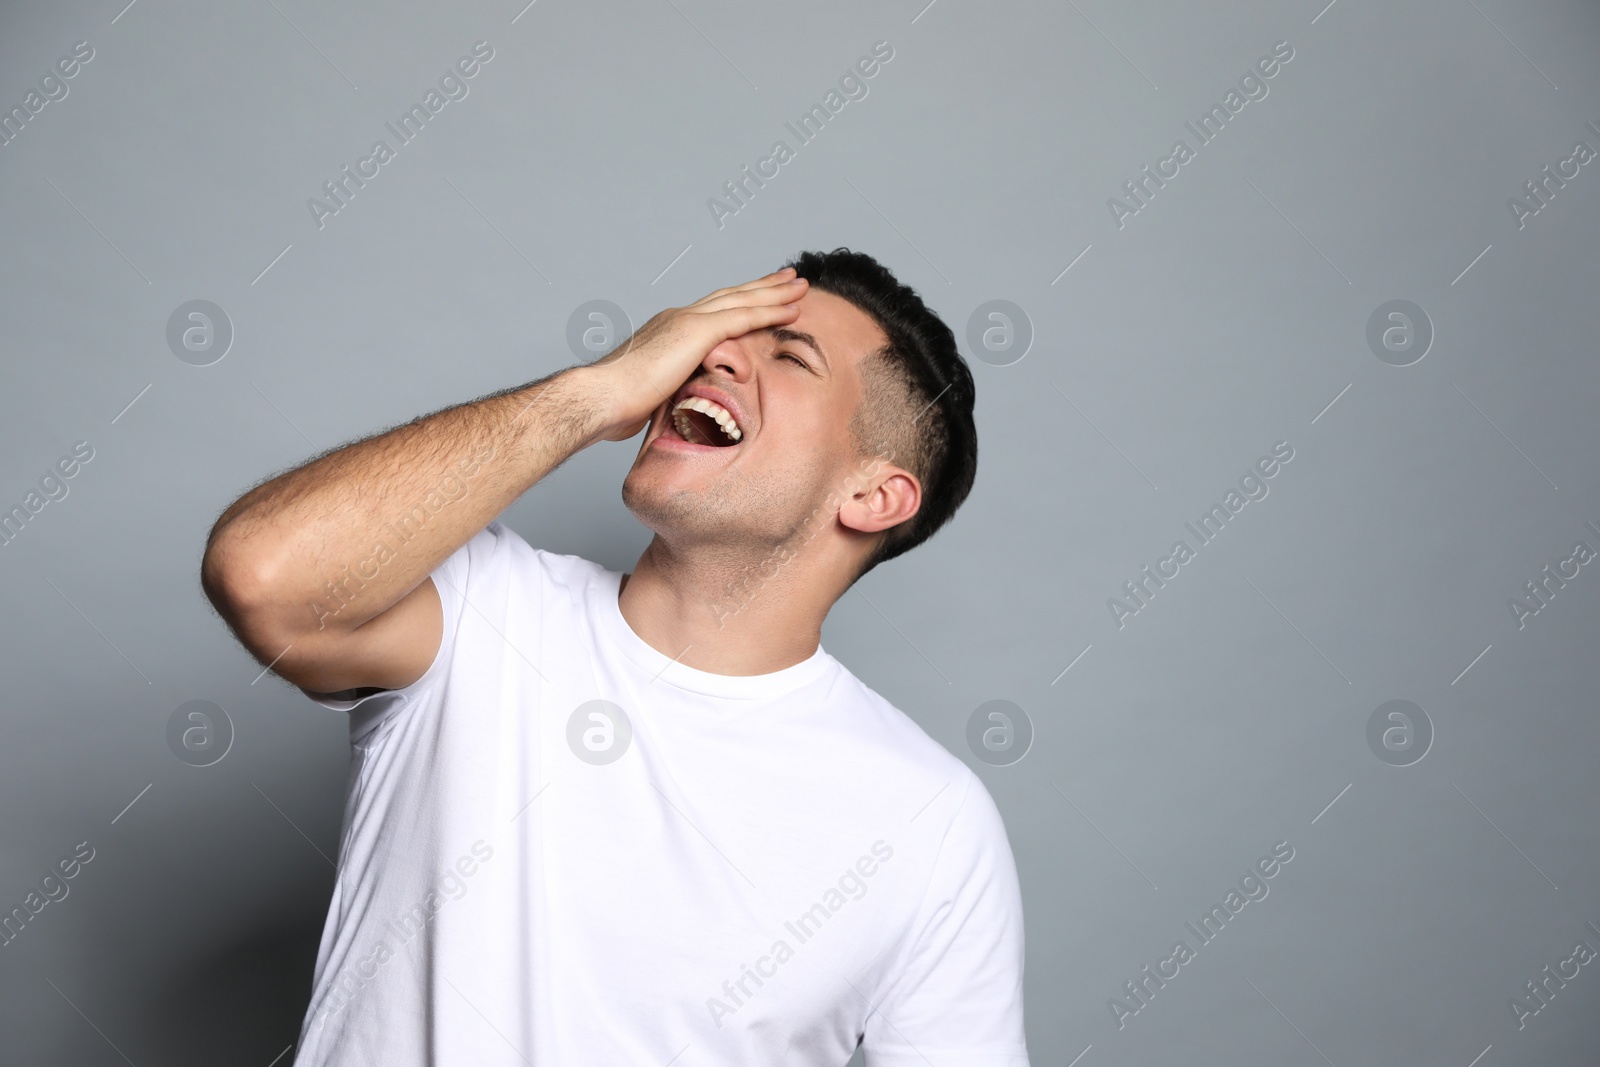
(733,870)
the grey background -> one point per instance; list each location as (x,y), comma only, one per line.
(1224,317)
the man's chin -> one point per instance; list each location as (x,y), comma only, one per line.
(663,507)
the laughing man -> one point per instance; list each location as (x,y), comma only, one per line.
(598,818)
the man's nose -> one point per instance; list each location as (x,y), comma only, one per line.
(731,357)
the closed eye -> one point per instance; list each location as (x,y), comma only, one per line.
(797,359)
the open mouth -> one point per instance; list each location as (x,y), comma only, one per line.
(705,422)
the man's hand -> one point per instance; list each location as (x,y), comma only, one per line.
(649,367)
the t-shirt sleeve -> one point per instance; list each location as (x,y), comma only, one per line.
(955,998)
(451,578)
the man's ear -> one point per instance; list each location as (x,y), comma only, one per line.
(892,495)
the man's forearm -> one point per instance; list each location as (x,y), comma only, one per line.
(341,539)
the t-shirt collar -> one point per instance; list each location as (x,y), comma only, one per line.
(613,626)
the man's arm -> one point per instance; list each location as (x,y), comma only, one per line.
(955,997)
(278,564)
(279,561)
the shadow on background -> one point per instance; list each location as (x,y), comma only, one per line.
(243,1003)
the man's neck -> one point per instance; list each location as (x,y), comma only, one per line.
(722,618)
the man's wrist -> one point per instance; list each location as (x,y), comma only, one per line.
(588,394)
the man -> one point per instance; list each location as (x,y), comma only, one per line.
(598,818)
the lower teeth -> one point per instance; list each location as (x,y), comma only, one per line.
(687,431)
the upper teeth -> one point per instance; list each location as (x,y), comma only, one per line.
(706,407)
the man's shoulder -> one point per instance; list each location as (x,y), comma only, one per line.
(951,795)
(924,782)
(499,545)
(894,741)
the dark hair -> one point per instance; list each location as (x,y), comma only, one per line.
(918,392)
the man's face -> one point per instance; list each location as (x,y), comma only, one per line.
(793,391)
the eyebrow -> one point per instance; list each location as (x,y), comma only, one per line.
(784,334)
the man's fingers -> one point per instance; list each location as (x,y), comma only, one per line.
(781,296)
(782,292)
(719,325)
(780,275)
(734,292)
